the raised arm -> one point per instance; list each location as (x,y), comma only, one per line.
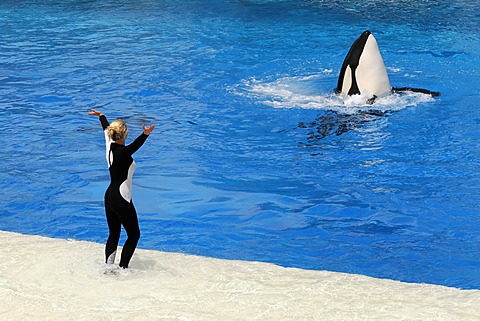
(138,142)
(103,119)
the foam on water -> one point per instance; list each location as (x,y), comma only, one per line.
(304,92)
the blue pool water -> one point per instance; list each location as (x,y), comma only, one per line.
(245,162)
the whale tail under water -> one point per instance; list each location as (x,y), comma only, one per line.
(363,72)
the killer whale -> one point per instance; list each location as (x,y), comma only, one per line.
(363,72)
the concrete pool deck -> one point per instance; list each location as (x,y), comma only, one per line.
(55,279)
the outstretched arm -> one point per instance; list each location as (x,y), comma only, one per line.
(103,119)
(138,142)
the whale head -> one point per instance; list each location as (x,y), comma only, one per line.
(363,70)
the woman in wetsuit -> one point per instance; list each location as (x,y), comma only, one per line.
(118,197)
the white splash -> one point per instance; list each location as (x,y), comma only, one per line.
(306,92)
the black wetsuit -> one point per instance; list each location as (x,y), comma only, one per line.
(118,197)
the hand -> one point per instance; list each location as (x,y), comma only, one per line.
(148,130)
(95,113)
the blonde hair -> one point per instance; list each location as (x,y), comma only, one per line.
(117,130)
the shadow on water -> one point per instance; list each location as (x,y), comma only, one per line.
(332,123)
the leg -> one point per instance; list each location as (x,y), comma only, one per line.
(114,227)
(130,223)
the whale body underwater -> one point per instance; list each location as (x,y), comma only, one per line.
(363,72)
